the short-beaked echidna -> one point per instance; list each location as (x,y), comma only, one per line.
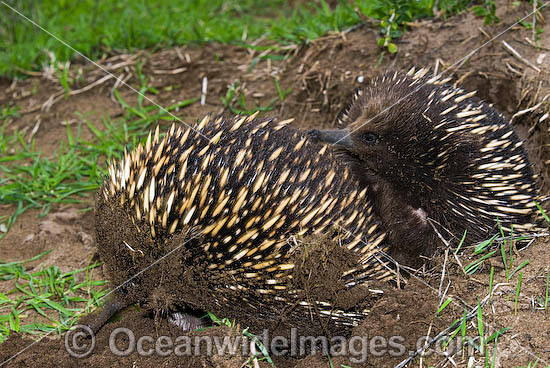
(188,222)
(430,151)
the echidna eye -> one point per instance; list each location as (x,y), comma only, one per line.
(369,138)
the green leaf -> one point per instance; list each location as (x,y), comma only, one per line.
(445,304)
(543,213)
(523,264)
(497,334)
(481,247)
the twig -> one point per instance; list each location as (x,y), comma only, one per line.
(28,72)
(91,85)
(175,71)
(56,97)
(483,32)
(130,61)
(447,247)
(426,342)
(431,221)
(511,68)
(204,87)
(459,263)
(52,100)
(34,130)
(30,110)
(119,80)
(178,53)
(519,57)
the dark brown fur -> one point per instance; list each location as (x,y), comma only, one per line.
(430,152)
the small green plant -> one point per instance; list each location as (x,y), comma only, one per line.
(481,248)
(264,354)
(389,31)
(518,289)
(450,7)
(542,212)
(9,112)
(506,252)
(463,323)
(509,262)
(230,95)
(221,322)
(235,99)
(444,305)
(62,71)
(484,341)
(393,16)
(493,361)
(481,342)
(529,26)
(461,327)
(487,11)
(461,242)
(282,94)
(58,297)
(144,83)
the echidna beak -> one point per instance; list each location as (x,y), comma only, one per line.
(340,137)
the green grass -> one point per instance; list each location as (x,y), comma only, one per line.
(482,248)
(486,250)
(97,27)
(476,335)
(518,289)
(30,179)
(7,112)
(533,365)
(47,300)
(234,99)
(479,338)
(263,353)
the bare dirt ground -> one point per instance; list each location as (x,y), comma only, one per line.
(322,76)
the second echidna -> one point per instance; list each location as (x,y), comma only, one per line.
(211,224)
(428,151)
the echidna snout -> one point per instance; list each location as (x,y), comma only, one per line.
(340,137)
